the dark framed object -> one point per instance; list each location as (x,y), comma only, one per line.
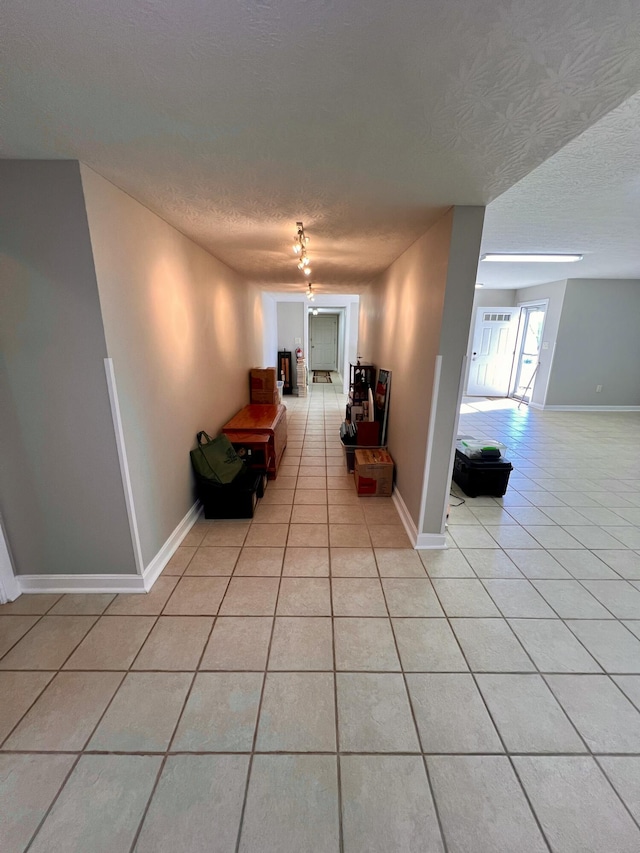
(284,371)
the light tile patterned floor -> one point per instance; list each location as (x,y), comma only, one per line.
(307,682)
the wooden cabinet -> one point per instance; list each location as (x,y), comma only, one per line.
(255,422)
(362,378)
(284,371)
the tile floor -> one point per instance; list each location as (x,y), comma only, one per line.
(307,682)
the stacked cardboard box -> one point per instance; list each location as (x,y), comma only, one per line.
(263,385)
(374,473)
(302,376)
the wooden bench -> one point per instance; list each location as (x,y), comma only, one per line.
(262,430)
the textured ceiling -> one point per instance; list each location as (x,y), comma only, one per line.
(585,199)
(232,120)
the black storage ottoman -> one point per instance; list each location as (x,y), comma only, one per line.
(481,476)
(235,500)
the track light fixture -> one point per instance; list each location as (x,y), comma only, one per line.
(310,294)
(300,244)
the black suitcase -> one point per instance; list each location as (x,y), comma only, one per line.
(481,476)
(235,500)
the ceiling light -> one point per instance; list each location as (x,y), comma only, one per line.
(479,285)
(300,248)
(506,257)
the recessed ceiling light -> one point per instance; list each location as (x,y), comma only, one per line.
(506,257)
(479,285)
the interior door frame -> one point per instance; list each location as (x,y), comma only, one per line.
(312,318)
(515,372)
(475,320)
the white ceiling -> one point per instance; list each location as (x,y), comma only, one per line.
(232,120)
(585,199)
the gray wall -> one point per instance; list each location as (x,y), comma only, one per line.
(182,330)
(61,494)
(487,297)
(598,344)
(555,293)
(291,326)
(456,317)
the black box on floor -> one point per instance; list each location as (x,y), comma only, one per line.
(235,500)
(481,476)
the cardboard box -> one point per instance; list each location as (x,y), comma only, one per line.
(373,473)
(270,398)
(263,379)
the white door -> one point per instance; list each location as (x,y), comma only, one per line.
(323,332)
(494,341)
(529,350)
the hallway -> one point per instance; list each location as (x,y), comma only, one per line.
(308,682)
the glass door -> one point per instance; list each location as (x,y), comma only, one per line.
(531,341)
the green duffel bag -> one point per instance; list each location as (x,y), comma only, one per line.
(215,459)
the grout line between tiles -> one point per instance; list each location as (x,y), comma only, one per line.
(166,752)
(257,723)
(497,730)
(413,716)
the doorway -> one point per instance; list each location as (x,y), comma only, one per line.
(323,341)
(492,355)
(530,341)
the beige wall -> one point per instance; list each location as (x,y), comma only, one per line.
(183,331)
(400,318)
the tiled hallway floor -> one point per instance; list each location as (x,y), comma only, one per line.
(308,682)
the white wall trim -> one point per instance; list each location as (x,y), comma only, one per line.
(553,408)
(452,455)
(430,541)
(405,517)
(80,583)
(549,374)
(431,429)
(124,464)
(9,587)
(155,567)
(114,583)
(420,541)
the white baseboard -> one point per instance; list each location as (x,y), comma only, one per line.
(427,541)
(405,517)
(155,567)
(113,583)
(585,408)
(80,583)
(420,541)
